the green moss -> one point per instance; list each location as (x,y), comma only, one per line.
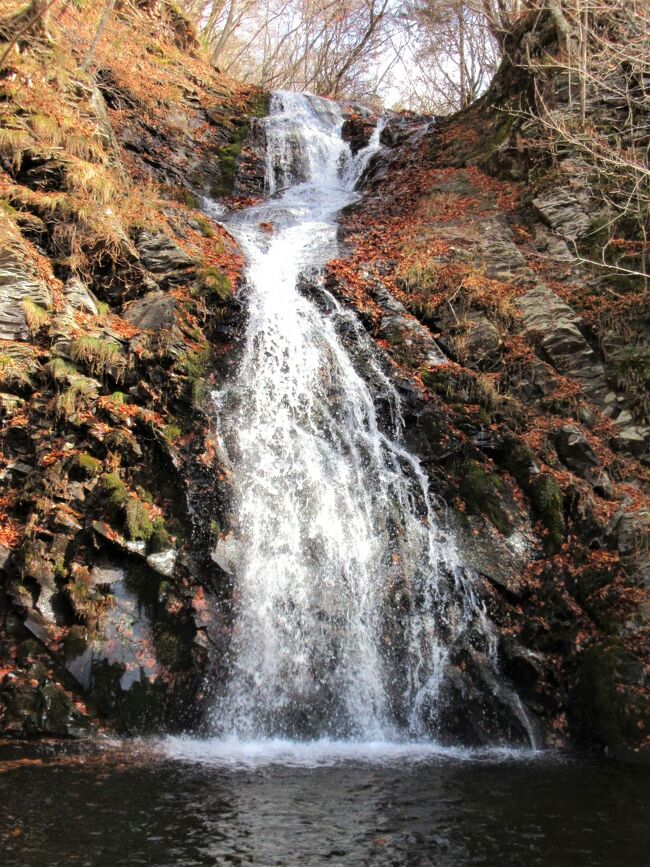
(548,502)
(88,465)
(194,362)
(160,540)
(145,496)
(502,132)
(213,282)
(115,490)
(258,106)
(183,196)
(171,432)
(519,460)
(118,398)
(599,710)
(480,491)
(137,522)
(172,651)
(205,227)
(228,166)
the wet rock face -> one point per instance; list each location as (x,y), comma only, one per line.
(358,126)
(250,166)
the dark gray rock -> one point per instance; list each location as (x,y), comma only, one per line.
(411,340)
(484,342)
(552,324)
(569,207)
(502,259)
(154,312)
(163,258)
(574,450)
(631,440)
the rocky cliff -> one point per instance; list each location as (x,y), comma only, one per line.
(119,311)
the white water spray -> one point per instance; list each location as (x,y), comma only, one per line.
(349,596)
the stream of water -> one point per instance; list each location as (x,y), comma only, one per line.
(350,596)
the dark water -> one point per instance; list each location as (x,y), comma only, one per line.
(123,806)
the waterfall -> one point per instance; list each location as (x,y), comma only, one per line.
(350,598)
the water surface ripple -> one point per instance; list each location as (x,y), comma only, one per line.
(128,806)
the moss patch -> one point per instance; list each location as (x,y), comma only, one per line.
(601,713)
(88,465)
(480,490)
(548,501)
(213,283)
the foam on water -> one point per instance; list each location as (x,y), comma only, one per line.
(234,753)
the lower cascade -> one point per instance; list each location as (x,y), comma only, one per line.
(353,610)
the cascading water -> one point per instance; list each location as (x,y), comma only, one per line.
(349,596)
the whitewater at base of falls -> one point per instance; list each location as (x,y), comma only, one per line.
(231,752)
(350,598)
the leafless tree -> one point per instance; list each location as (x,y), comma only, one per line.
(454,49)
(330,47)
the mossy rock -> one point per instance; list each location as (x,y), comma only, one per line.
(172,651)
(159,540)
(171,432)
(87,466)
(520,461)
(481,491)
(205,227)
(213,283)
(133,513)
(548,502)
(137,522)
(258,106)
(603,716)
(115,490)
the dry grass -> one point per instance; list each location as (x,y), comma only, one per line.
(36,317)
(99,355)
(60,370)
(74,398)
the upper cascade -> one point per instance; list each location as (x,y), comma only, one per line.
(352,601)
